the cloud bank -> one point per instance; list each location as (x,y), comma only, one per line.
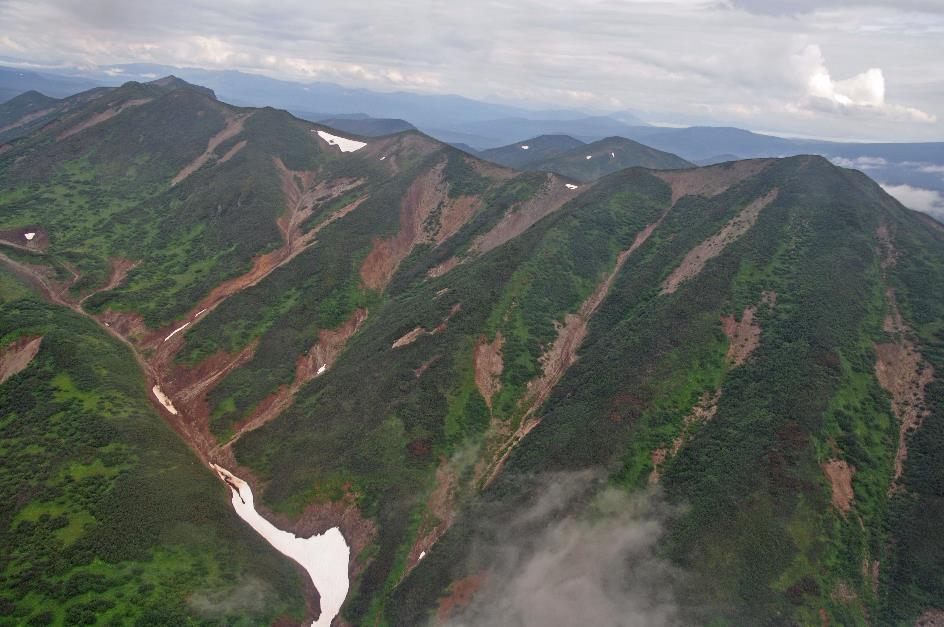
(858,69)
(552,566)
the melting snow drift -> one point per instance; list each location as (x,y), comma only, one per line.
(346,145)
(29,236)
(570,186)
(525,147)
(324,556)
(178,330)
(160,396)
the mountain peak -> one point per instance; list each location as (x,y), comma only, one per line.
(171,82)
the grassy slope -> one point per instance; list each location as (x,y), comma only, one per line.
(106,516)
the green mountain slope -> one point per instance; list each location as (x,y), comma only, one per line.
(459,365)
(106,516)
(526,154)
(583,162)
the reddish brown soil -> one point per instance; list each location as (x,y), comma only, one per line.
(120,268)
(840,473)
(427,192)
(696,259)
(519,218)
(26,119)
(419,332)
(460,595)
(232,151)
(325,352)
(560,356)
(711,180)
(409,338)
(301,195)
(703,411)
(444,267)
(439,516)
(233,127)
(16,238)
(104,116)
(487,365)
(17,355)
(744,336)
(899,366)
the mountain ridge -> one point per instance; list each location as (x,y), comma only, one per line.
(715,333)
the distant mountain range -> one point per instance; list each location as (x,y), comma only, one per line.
(475,126)
(584,162)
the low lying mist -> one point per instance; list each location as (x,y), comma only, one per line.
(574,559)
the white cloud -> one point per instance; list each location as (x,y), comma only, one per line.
(863,93)
(925,200)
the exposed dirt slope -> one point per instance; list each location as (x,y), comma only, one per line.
(17,356)
(518,219)
(233,127)
(899,366)
(487,365)
(711,180)
(695,260)
(559,357)
(326,350)
(840,473)
(104,116)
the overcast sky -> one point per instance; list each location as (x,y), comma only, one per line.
(854,69)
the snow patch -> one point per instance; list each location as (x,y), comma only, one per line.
(383,157)
(589,156)
(322,369)
(162,398)
(525,147)
(199,312)
(613,155)
(177,330)
(324,556)
(29,236)
(570,186)
(346,145)
(422,554)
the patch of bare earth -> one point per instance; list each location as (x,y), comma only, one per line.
(439,516)
(302,196)
(419,332)
(427,215)
(703,411)
(840,474)
(695,260)
(518,219)
(931,618)
(460,595)
(322,355)
(900,368)
(744,336)
(711,180)
(556,360)
(18,355)
(120,267)
(487,365)
(16,238)
(103,116)
(26,119)
(233,126)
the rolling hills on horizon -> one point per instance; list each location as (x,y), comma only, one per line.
(712,394)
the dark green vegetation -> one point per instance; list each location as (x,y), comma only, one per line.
(411,417)
(106,517)
(569,157)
